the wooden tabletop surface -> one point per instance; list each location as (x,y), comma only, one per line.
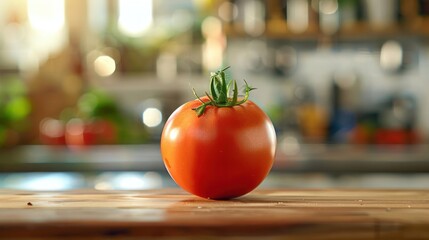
(174,214)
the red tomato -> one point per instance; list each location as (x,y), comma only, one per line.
(224,153)
(52,132)
(105,131)
(79,134)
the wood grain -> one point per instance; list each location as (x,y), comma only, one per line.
(172,213)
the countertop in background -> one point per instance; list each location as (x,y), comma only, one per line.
(335,159)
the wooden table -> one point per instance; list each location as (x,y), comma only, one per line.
(174,214)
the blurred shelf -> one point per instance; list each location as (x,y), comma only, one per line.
(360,31)
(39,158)
(344,159)
(312,158)
(410,20)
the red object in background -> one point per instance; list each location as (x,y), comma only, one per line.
(52,132)
(105,131)
(361,135)
(395,136)
(79,134)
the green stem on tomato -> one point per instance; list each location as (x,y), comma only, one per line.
(223,93)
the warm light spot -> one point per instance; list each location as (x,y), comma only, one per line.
(103,186)
(46,15)
(214,45)
(228,11)
(52,127)
(391,55)
(152,117)
(104,66)
(75,127)
(136,181)
(211,26)
(212,54)
(135,16)
(328,6)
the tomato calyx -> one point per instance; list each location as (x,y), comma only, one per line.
(223,92)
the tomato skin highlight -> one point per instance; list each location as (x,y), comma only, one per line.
(225,153)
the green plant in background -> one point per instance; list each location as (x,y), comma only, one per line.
(96,105)
(14,108)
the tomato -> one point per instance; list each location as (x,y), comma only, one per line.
(105,131)
(79,134)
(220,153)
(52,132)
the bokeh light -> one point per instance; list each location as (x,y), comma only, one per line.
(128,181)
(135,17)
(46,15)
(228,11)
(391,55)
(52,127)
(152,117)
(104,65)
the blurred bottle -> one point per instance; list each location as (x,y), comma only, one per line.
(329,16)
(311,117)
(381,13)
(348,12)
(251,16)
(297,15)
(345,94)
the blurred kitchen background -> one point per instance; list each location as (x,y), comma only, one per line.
(86,86)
